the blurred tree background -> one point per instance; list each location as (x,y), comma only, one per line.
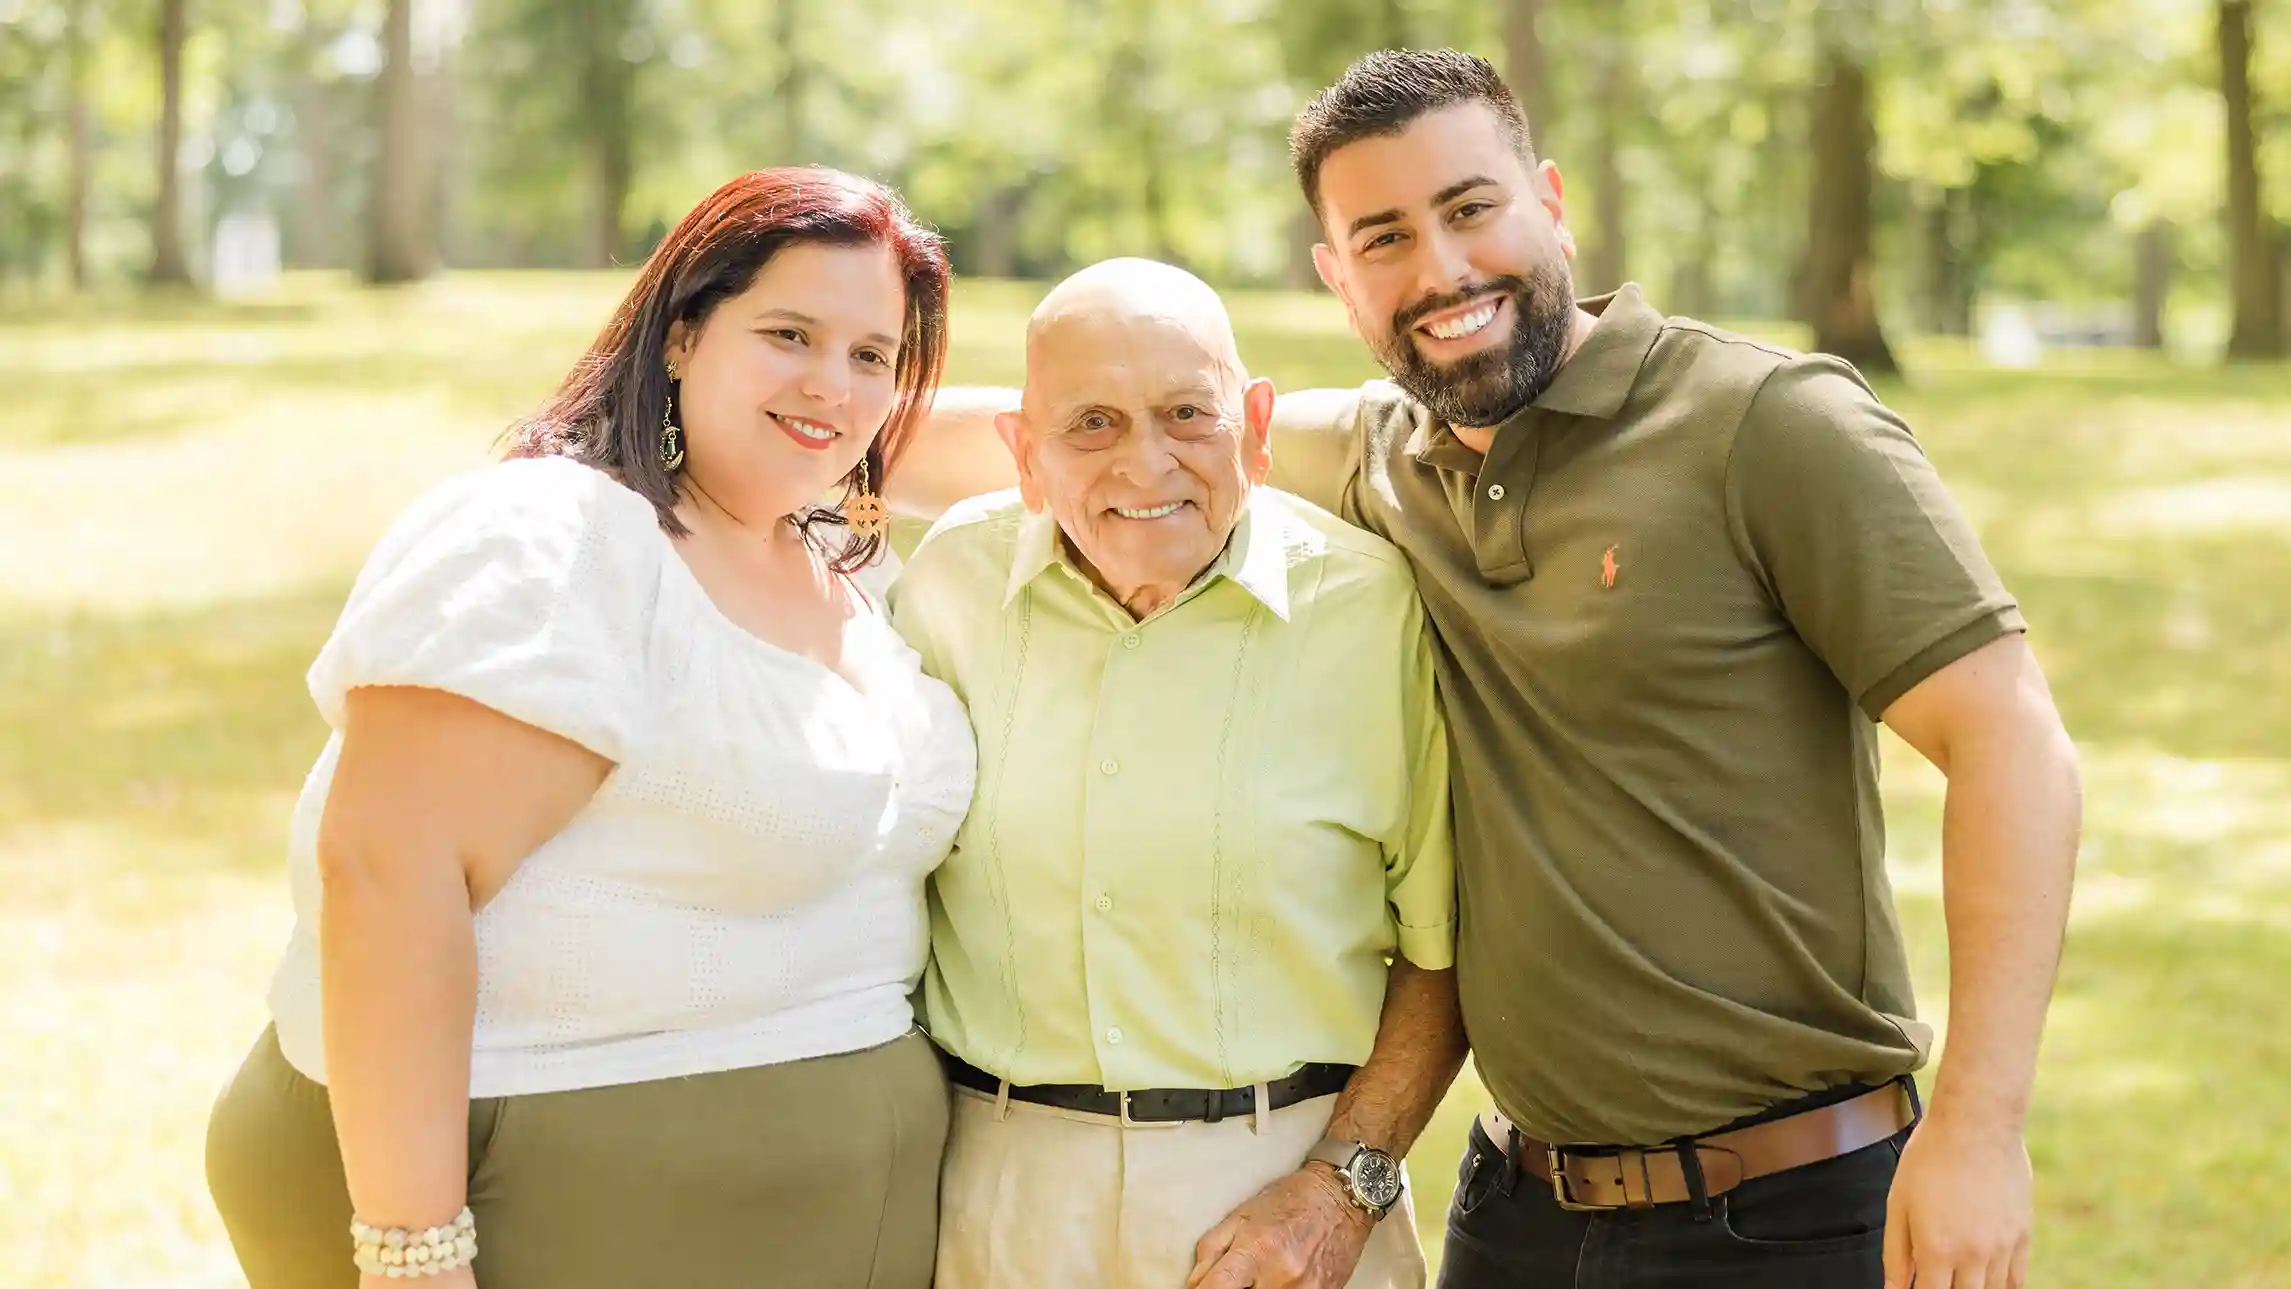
(196,452)
(1867,167)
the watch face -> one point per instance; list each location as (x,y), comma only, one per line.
(1376,1176)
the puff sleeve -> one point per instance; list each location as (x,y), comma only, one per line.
(529,587)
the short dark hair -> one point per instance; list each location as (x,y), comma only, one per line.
(1384,92)
(607,413)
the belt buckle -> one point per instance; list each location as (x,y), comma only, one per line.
(1127,1122)
(1557,1158)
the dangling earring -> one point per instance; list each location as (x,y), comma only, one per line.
(863,510)
(671,434)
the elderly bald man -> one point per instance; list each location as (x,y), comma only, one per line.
(1192,953)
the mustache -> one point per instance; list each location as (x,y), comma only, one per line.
(1499,287)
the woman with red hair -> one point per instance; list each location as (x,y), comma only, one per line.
(609,884)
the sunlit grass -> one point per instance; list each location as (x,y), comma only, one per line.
(186,489)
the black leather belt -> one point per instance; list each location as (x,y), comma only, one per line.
(1161,1105)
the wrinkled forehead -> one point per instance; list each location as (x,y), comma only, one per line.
(1128,359)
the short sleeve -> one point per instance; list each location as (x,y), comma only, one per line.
(1853,534)
(528,587)
(958,566)
(1317,448)
(1420,868)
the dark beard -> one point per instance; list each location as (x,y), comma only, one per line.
(1487,389)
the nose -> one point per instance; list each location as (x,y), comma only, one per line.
(1443,267)
(1144,456)
(826,379)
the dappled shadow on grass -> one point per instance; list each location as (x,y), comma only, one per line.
(183,723)
(2161,1112)
(163,307)
(2092,376)
(2184,647)
(157,400)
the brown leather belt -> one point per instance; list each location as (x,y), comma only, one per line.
(1601,1178)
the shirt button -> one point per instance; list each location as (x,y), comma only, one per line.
(1130,641)
(1114,1035)
(1495,492)
(1109,766)
(1103,903)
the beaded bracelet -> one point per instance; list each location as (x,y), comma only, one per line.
(401,1254)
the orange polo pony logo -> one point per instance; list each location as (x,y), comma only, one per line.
(1608,569)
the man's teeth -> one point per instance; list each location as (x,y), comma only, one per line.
(1458,328)
(1150,512)
(809,429)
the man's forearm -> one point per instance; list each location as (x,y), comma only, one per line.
(2009,839)
(1419,1047)
(953,455)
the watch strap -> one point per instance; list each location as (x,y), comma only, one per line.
(1340,1154)
(1336,1152)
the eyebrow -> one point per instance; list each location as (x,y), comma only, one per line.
(1440,198)
(873,338)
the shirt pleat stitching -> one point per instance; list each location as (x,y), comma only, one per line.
(994,826)
(1218,967)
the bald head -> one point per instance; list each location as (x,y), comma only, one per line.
(1139,428)
(1114,308)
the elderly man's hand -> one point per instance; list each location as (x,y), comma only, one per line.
(1301,1232)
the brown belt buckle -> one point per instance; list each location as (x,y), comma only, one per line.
(1558,1161)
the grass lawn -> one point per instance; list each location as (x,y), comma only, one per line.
(186,490)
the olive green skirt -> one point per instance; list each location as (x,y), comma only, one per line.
(817,1173)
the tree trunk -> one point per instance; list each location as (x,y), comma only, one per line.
(81,143)
(1938,260)
(1524,66)
(1608,265)
(1131,110)
(1841,265)
(793,82)
(314,242)
(2152,283)
(1153,167)
(440,96)
(1692,289)
(607,122)
(400,196)
(1395,24)
(2252,273)
(169,266)
(614,168)
(1304,233)
(2283,308)
(994,241)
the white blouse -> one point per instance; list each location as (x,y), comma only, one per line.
(747,886)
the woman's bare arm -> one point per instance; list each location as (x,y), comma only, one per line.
(435,801)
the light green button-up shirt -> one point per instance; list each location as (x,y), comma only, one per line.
(1196,839)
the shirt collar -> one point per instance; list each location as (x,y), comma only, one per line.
(1255,558)
(1595,381)
(1598,377)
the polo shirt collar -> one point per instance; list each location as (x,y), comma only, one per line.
(1255,558)
(1596,380)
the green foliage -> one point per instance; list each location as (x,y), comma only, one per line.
(2021,143)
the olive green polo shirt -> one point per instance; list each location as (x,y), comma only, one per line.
(1670,603)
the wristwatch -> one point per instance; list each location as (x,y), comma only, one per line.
(1371,1177)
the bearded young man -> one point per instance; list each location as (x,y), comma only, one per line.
(1677,579)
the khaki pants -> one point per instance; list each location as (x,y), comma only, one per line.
(1041,1197)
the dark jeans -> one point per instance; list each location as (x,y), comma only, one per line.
(1817,1227)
